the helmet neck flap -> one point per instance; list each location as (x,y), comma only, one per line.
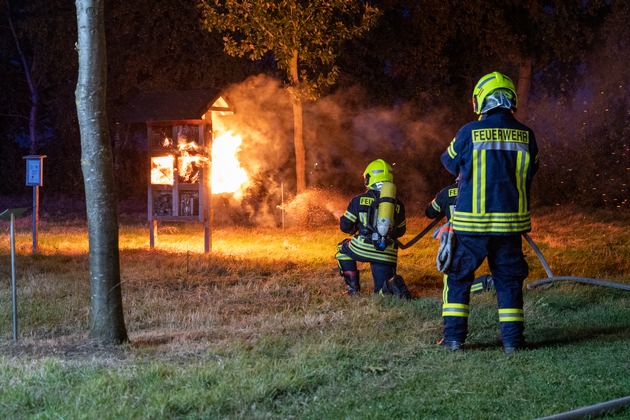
(487,85)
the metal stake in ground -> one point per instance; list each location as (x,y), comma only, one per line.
(9,214)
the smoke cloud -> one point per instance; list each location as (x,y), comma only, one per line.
(342,136)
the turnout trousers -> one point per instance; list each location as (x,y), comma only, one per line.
(509,269)
(347,261)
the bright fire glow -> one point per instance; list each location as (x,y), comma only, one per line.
(227,174)
(162,170)
(188,164)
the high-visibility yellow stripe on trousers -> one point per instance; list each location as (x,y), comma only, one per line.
(455,309)
(511,315)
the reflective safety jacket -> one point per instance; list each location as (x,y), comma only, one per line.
(358,220)
(496,158)
(443,203)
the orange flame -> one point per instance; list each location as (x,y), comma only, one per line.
(189,163)
(162,170)
(227,174)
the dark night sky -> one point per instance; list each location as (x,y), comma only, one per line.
(401,94)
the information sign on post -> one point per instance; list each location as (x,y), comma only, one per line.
(35,179)
(34,173)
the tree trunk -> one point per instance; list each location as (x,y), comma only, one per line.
(298,137)
(32,121)
(298,140)
(523,87)
(107,325)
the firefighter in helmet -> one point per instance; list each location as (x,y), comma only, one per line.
(374,219)
(443,203)
(495,158)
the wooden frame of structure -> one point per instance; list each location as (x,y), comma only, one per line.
(179,141)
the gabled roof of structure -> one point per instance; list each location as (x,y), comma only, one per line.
(174,105)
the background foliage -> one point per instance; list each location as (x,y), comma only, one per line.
(414,71)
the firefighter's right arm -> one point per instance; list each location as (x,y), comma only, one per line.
(348,223)
(452,156)
(433,210)
(439,206)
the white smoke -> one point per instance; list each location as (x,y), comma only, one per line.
(341,135)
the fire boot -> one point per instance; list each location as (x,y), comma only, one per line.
(512,335)
(352,281)
(396,286)
(455,332)
(450,345)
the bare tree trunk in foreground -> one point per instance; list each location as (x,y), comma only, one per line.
(107,325)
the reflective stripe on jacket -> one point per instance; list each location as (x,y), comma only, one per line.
(496,158)
(443,203)
(356,220)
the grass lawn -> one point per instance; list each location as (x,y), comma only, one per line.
(260,328)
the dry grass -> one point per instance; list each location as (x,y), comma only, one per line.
(260,328)
(256,282)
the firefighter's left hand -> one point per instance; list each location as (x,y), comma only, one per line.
(446,237)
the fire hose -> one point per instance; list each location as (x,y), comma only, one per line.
(550,276)
(591,411)
(419,235)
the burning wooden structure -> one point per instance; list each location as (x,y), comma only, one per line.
(179,141)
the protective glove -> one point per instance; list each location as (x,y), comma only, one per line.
(446,236)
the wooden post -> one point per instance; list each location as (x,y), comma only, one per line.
(152,233)
(35,218)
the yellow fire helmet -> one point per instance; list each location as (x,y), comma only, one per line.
(489,83)
(376,173)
